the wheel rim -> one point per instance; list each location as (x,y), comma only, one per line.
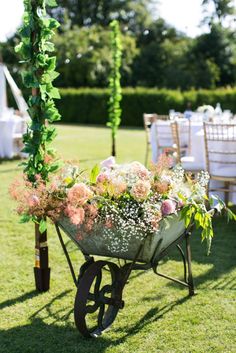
(97,303)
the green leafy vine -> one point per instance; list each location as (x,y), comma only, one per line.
(35,50)
(114,108)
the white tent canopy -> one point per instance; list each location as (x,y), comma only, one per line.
(3,92)
(13,124)
(21,104)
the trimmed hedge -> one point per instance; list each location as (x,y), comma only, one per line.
(89,105)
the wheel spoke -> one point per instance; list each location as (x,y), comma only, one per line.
(97,283)
(106,289)
(92,308)
(100,315)
(91,296)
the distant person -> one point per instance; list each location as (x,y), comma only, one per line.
(188,112)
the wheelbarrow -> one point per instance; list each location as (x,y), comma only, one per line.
(100,283)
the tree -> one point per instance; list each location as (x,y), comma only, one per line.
(133,14)
(214,54)
(84,57)
(114,109)
(222,9)
(150,66)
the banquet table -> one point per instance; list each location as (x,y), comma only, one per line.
(196,136)
(10,126)
(197,149)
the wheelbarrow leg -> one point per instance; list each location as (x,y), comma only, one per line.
(190,276)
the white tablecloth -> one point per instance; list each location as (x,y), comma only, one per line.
(9,126)
(197,150)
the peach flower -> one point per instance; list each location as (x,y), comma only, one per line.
(140,170)
(79,194)
(102,178)
(140,190)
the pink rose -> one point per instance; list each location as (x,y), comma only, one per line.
(79,194)
(140,190)
(33,201)
(108,163)
(77,216)
(168,207)
(102,178)
(181,203)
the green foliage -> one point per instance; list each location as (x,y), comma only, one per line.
(34,48)
(84,56)
(133,14)
(92,103)
(114,110)
(212,63)
(222,9)
(198,215)
(170,59)
(155,54)
(94,173)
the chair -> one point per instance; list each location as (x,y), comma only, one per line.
(148,120)
(220,150)
(164,138)
(163,117)
(181,135)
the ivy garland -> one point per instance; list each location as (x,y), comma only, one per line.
(35,48)
(114,109)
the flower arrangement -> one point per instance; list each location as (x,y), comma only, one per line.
(206,109)
(127,198)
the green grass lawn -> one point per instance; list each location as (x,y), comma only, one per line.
(158,315)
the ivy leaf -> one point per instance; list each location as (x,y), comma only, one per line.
(29,80)
(25,218)
(48,46)
(51,3)
(42,226)
(53,24)
(51,63)
(54,93)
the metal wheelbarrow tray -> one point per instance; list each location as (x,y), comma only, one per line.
(102,301)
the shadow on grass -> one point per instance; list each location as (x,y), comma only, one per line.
(221,260)
(61,337)
(39,337)
(19,299)
(152,315)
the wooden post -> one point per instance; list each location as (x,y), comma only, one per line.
(41,269)
(113,149)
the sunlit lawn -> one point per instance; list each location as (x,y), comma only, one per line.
(158,315)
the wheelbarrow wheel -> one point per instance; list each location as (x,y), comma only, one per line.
(98,298)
